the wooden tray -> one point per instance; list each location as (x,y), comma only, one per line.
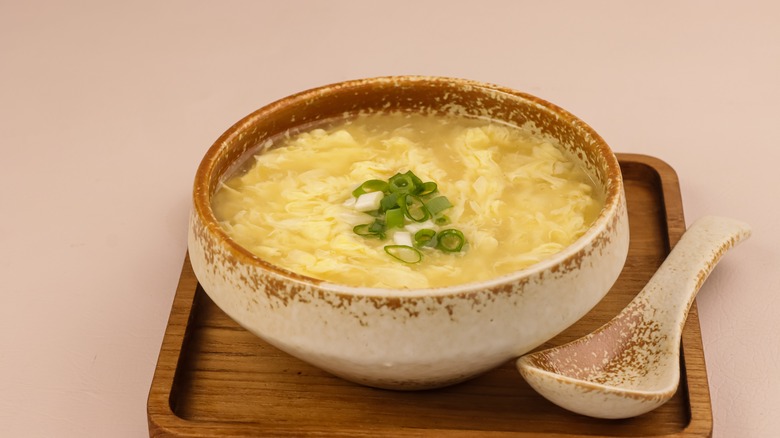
(214,379)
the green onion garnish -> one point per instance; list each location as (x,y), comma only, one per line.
(437,205)
(428,188)
(404,253)
(424,237)
(374,229)
(418,184)
(414,208)
(442,220)
(389,202)
(372,185)
(401,183)
(378,228)
(406,198)
(450,240)
(363,230)
(394,218)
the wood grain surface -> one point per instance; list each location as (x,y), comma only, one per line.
(214,379)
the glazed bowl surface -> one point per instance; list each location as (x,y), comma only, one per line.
(413,338)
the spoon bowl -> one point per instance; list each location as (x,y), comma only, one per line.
(631,365)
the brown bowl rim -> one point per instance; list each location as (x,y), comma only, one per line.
(203,176)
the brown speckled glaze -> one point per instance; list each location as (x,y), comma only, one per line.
(408,339)
(631,365)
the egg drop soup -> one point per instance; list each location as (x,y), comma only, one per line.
(516,197)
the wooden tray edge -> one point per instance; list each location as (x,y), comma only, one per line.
(162,420)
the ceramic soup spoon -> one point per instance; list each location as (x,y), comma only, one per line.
(631,365)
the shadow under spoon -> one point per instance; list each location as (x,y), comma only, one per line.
(631,365)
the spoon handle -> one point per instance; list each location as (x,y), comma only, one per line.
(671,290)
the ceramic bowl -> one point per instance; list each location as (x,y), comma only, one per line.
(419,338)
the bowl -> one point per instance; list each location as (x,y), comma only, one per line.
(418,338)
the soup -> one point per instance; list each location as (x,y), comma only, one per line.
(511,199)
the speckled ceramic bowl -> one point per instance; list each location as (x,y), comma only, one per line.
(408,339)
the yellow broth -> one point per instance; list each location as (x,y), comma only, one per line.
(516,197)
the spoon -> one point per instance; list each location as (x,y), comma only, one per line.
(631,365)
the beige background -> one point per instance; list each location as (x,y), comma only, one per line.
(107,107)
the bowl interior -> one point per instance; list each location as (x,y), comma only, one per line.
(254,133)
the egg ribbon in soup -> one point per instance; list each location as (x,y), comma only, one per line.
(515,197)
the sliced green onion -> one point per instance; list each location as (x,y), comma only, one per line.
(378,227)
(450,240)
(368,201)
(404,253)
(417,181)
(401,183)
(414,208)
(424,237)
(389,202)
(372,185)
(374,229)
(437,205)
(363,230)
(428,188)
(394,218)
(442,220)
(407,203)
